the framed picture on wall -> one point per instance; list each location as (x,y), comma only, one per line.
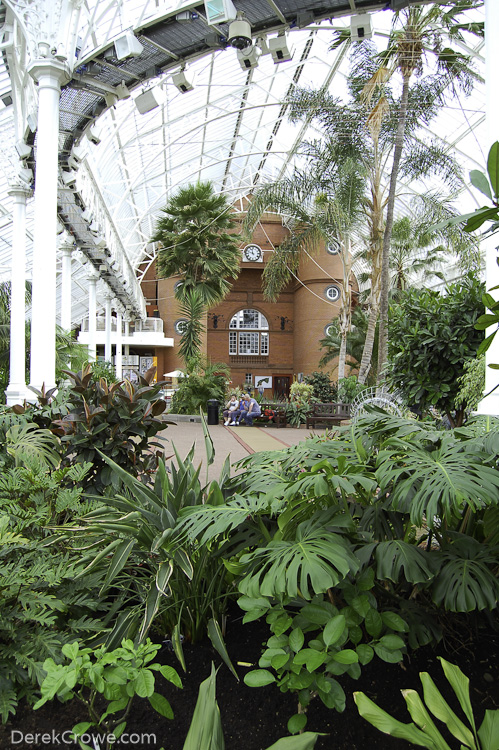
(263,381)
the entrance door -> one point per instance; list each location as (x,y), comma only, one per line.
(281,385)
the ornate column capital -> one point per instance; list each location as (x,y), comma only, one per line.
(54,73)
(18,189)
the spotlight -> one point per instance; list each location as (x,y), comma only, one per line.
(219,11)
(26,175)
(360,27)
(279,49)
(180,81)
(149,100)
(69,178)
(77,154)
(93,137)
(127,46)
(99,241)
(248,58)
(94,226)
(86,215)
(122,91)
(304,18)
(240,32)
(23,149)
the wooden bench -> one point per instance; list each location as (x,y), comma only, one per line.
(279,418)
(327,413)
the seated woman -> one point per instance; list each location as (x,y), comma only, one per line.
(252,410)
(231,412)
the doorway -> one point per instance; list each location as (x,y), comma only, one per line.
(282,384)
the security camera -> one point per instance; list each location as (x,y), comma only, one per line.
(239,32)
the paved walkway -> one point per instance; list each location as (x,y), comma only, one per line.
(236,442)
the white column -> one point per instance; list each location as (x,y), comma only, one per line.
(119,342)
(66,321)
(107,308)
(92,314)
(127,333)
(16,390)
(49,74)
(490,404)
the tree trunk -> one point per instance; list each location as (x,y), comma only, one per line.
(346,306)
(367,353)
(385,265)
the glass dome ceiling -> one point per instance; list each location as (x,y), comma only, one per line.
(139,137)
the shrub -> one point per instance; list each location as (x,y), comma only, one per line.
(323,389)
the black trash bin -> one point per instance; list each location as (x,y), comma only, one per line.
(213,415)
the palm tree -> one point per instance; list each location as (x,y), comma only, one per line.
(421,32)
(195,243)
(355,341)
(324,203)
(372,142)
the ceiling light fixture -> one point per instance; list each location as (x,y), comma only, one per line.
(127,46)
(219,11)
(279,48)
(150,99)
(240,32)
(360,27)
(180,81)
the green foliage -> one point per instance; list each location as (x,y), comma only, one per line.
(209,381)
(348,389)
(472,383)
(431,338)
(118,676)
(196,244)
(323,388)
(43,604)
(180,587)
(95,418)
(206,727)
(423,731)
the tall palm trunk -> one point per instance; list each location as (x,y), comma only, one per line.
(385,265)
(367,353)
(345,317)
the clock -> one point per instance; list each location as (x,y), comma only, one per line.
(252,253)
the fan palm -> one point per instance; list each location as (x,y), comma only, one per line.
(356,338)
(324,204)
(195,243)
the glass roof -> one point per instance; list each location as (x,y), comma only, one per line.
(230,128)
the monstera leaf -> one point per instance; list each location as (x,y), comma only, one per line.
(435,482)
(466,580)
(396,556)
(315,560)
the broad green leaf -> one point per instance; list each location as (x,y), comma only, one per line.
(120,557)
(480,181)
(396,556)
(365,653)
(296,723)
(346,656)
(296,639)
(461,686)
(311,658)
(393,621)
(163,575)
(421,718)
(258,678)
(489,730)
(170,674)
(442,711)
(144,683)
(216,638)
(333,630)
(305,741)
(373,623)
(161,705)
(205,730)
(493,168)
(387,724)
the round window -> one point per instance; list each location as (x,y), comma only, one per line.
(333,247)
(328,329)
(333,292)
(180,326)
(177,285)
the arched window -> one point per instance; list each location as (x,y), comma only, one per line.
(249,333)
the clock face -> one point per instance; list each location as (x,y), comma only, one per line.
(252,253)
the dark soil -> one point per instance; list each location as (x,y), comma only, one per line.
(255,718)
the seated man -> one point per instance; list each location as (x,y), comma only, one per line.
(253,410)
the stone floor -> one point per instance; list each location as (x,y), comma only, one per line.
(236,442)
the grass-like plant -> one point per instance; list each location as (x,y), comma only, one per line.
(423,731)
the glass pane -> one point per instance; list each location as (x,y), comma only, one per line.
(248,343)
